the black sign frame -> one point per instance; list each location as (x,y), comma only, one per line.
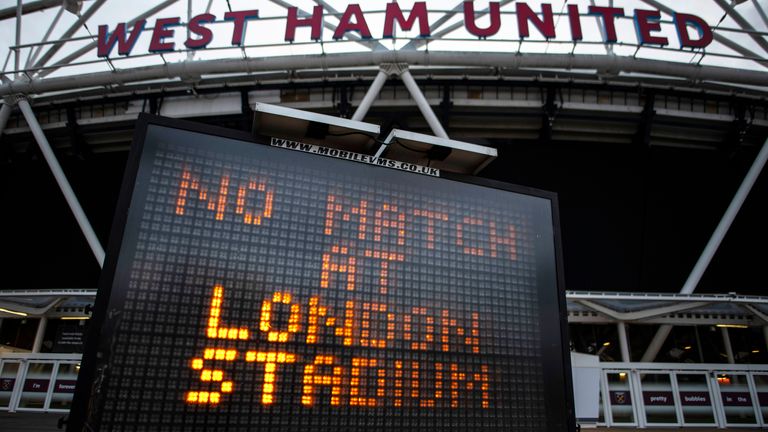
(560,408)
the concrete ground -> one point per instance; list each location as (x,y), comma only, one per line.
(42,422)
(665,429)
(29,422)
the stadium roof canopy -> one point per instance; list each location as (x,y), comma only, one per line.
(56,47)
(583,307)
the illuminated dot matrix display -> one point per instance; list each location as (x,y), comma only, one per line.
(258,288)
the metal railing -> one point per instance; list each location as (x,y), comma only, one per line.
(645,395)
(640,395)
(37,382)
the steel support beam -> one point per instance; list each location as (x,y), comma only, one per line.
(666,297)
(373,45)
(29,310)
(417,43)
(190,53)
(370,95)
(762,316)
(421,102)
(733,13)
(761,11)
(714,242)
(484,61)
(656,343)
(49,292)
(17,54)
(608,46)
(623,343)
(726,221)
(29,7)
(82,51)
(81,20)
(61,180)
(727,344)
(434,26)
(5,114)
(36,53)
(717,36)
(765,336)
(642,314)
(40,334)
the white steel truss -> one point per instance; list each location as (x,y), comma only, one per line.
(39,66)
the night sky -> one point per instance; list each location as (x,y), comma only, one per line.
(635,219)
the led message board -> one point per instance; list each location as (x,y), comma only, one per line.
(250,287)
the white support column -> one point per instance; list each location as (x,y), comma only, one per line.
(422,103)
(370,95)
(61,179)
(33,56)
(714,242)
(623,343)
(5,114)
(17,57)
(726,221)
(40,334)
(190,53)
(727,343)
(71,31)
(656,343)
(760,11)
(88,48)
(743,23)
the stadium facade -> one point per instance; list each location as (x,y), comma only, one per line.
(649,122)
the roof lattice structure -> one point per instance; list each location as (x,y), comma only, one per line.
(53,46)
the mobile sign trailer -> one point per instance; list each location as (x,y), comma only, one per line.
(248,286)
